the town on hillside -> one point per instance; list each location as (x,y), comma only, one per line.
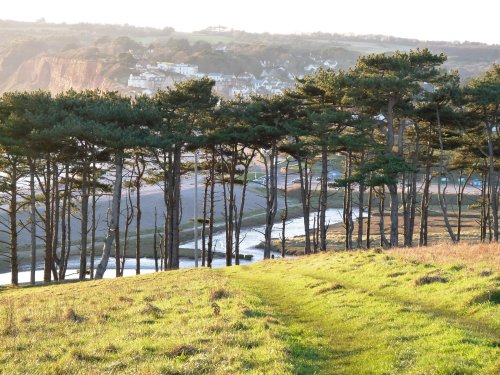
(274,79)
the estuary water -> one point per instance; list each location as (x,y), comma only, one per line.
(250,239)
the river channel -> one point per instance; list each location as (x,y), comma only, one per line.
(250,239)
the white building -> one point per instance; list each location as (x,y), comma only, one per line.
(184,69)
(137,81)
(217,77)
(240,91)
(148,80)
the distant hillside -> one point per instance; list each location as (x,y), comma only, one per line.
(59,56)
(415,311)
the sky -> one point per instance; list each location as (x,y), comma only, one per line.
(448,20)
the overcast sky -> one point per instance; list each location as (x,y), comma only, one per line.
(451,20)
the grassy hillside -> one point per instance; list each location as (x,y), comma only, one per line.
(417,311)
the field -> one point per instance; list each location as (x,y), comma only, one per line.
(417,311)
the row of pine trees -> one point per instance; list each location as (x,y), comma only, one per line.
(395,119)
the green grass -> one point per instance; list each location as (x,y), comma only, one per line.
(397,312)
(161,323)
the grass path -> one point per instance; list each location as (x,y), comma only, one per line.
(360,312)
(339,320)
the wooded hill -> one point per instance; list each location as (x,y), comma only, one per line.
(106,54)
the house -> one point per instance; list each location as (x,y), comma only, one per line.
(183,69)
(149,80)
(240,91)
(137,81)
(217,77)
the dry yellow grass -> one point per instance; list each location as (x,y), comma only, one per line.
(437,233)
(471,255)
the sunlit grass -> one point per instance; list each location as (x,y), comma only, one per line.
(160,323)
(383,312)
(369,312)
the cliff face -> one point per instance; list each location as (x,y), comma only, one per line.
(57,74)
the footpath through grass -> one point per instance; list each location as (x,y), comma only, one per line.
(348,313)
(363,312)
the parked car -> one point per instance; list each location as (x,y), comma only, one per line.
(477,182)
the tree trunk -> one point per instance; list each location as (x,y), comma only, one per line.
(68,226)
(116,232)
(361,205)
(165,165)
(460,197)
(13,225)
(284,214)
(348,222)
(56,202)
(115,212)
(93,223)
(315,233)
(169,204)
(393,194)
(239,215)
(163,261)
(177,174)
(424,206)
(305,185)
(369,218)
(64,229)
(173,209)
(271,198)
(155,244)
(212,211)
(413,209)
(393,187)
(204,224)
(47,273)
(140,166)
(383,240)
(84,224)
(484,215)
(138,232)
(492,181)
(33,221)
(229,204)
(323,197)
(413,192)
(129,217)
(442,194)
(459,206)
(227,216)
